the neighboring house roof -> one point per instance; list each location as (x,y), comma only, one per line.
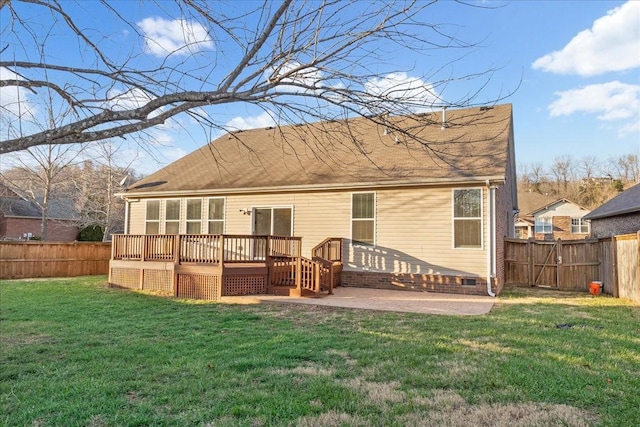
(529,201)
(474,146)
(626,202)
(520,221)
(60,209)
(555,202)
(6,191)
(13,206)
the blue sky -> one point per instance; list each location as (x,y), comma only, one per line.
(573,68)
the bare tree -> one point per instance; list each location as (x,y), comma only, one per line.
(96,181)
(299,61)
(628,167)
(39,176)
(562,170)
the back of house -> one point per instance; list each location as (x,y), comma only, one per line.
(420,202)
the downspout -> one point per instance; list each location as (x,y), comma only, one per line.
(491,235)
(126,216)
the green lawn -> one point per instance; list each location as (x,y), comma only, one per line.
(76,353)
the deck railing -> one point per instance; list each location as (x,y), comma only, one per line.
(282,255)
(329,249)
(314,275)
(203,248)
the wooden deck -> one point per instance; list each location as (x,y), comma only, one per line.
(213,266)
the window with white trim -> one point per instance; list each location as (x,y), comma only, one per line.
(152,218)
(467,218)
(363,218)
(275,221)
(172,216)
(216,216)
(579,226)
(194,216)
(544,225)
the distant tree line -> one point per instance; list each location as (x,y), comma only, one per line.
(587,181)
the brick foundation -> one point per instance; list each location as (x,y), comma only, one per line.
(415,282)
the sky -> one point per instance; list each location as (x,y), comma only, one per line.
(571,69)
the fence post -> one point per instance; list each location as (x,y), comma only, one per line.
(614,273)
(559,264)
(637,297)
(530,260)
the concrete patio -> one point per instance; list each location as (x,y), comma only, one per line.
(385,300)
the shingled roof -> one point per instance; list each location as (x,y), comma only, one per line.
(472,145)
(624,203)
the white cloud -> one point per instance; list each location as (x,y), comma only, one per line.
(303,80)
(131,99)
(413,93)
(630,128)
(612,101)
(14,103)
(252,122)
(178,37)
(612,44)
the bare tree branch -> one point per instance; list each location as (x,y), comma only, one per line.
(299,61)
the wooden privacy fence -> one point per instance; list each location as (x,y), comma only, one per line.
(573,265)
(24,260)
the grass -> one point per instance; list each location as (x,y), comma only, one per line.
(76,353)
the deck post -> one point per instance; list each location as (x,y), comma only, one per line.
(145,243)
(267,246)
(269,263)
(331,279)
(176,249)
(298,277)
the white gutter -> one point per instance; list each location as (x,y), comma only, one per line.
(491,244)
(434,182)
(126,216)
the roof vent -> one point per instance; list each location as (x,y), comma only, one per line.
(485,108)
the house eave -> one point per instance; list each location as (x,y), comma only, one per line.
(39,218)
(434,182)
(612,214)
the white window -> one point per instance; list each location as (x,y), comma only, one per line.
(172,216)
(544,225)
(216,216)
(194,216)
(579,226)
(467,218)
(363,218)
(152,219)
(274,221)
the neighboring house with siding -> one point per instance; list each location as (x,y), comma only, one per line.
(620,215)
(550,219)
(422,209)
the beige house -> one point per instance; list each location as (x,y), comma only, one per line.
(550,219)
(419,202)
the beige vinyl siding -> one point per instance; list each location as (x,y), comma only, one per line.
(137,215)
(414,230)
(316,216)
(415,236)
